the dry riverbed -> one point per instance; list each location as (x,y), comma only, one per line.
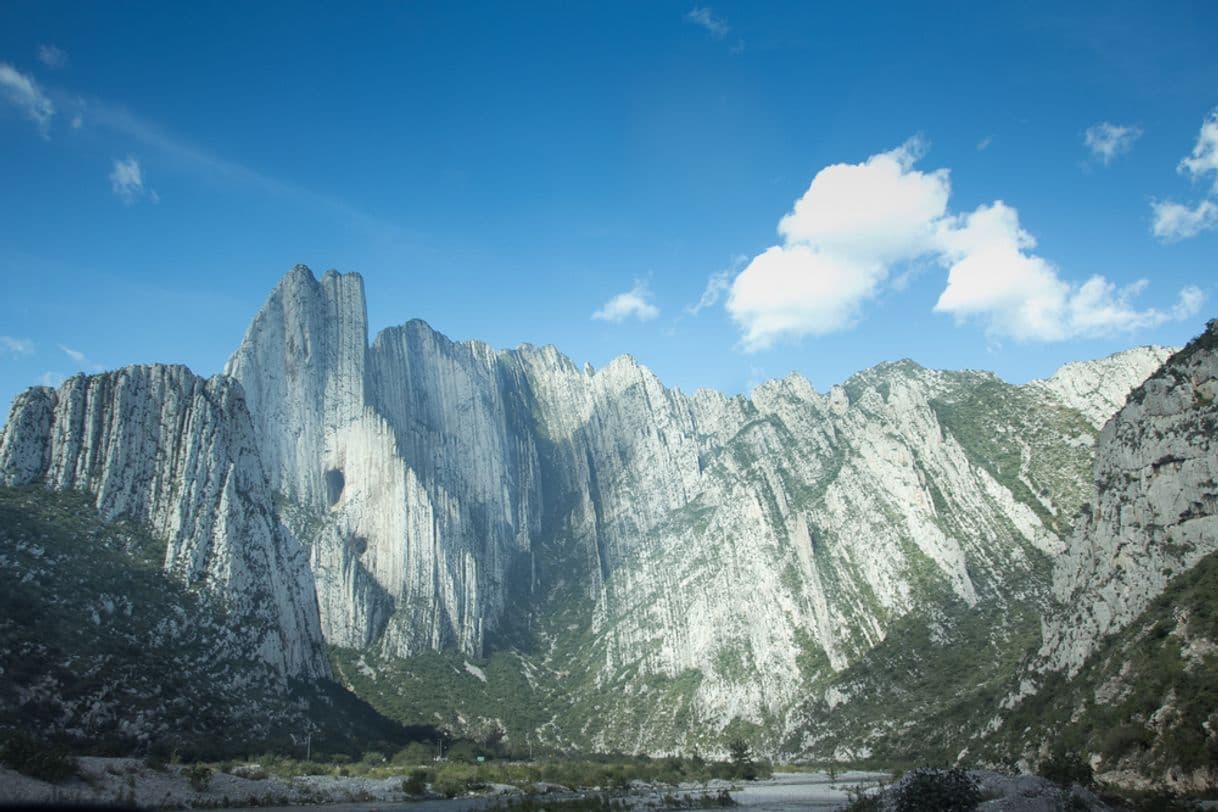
(130,782)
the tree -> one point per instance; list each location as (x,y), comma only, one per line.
(742,759)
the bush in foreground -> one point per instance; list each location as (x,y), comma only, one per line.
(47,762)
(1066,769)
(928,790)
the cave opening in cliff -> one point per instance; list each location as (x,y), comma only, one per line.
(335,482)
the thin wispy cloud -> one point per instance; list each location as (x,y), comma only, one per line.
(51,379)
(858,222)
(195,158)
(702,16)
(23,93)
(1178,221)
(717,284)
(127,182)
(52,56)
(984,143)
(1107,141)
(16,346)
(634,303)
(81,359)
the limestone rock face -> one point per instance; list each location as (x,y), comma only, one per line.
(1099,388)
(175,452)
(1154,513)
(411,460)
(752,541)
(448,495)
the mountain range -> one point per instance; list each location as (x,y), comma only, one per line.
(913,565)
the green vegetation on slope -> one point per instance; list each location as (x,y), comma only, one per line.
(1147,700)
(1040,451)
(103,651)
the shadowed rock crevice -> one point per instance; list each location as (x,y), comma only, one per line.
(335,482)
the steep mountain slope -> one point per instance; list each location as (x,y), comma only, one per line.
(497,538)
(619,535)
(175,453)
(1127,668)
(1155,514)
(101,647)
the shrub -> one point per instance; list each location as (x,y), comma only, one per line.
(1066,769)
(199,777)
(48,762)
(415,753)
(937,791)
(415,783)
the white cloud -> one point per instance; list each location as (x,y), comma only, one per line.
(16,346)
(880,211)
(716,285)
(793,291)
(984,143)
(81,359)
(839,241)
(993,276)
(77,121)
(51,379)
(1175,221)
(704,17)
(633,302)
(127,181)
(1106,140)
(859,222)
(1204,157)
(23,92)
(52,56)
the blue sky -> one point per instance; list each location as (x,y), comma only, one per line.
(998,186)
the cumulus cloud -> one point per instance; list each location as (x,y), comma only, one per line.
(127,181)
(16,346)
(633,303)
(1177,221)
(993,275)
(858,222)
(1106,140)
(702,16)
(839,241)
(22,92)
(52,56)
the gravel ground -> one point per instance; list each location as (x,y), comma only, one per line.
(129,782)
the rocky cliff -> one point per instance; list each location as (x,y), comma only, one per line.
(176,453)
(740,547)
(1129,655)
(1155,510)
(711,562)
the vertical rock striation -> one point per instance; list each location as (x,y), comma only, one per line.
(175,452)
(735,550)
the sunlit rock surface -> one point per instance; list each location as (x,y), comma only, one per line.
(745,539)
(175,452)
(1154,513)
